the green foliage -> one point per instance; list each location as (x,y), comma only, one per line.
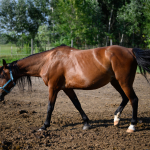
(132,19)
(27,49)
(130,14)
(42,37)
(146,13)
(21,16)
(3,39)
(86,22)
(77,20)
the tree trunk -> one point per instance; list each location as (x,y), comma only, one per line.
(109,24)
(31,46)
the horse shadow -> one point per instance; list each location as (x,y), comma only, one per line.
(143,123)
(93,123)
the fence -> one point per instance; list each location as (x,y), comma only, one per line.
(10,52)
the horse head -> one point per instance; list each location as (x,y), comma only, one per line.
(6,80)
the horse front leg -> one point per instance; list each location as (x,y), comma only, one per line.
(50,108)
(71,94)
(119,111)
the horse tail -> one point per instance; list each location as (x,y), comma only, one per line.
(143,60)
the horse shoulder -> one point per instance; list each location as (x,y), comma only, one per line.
(52,69)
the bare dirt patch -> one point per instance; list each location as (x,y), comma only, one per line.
(21,114)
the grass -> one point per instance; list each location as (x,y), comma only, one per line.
(8,49)
(10,53)
(10,59)
(138,70)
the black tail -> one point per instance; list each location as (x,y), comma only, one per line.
(143,60)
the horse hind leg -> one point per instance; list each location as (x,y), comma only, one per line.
(71,94)
(128,90)
(124,102)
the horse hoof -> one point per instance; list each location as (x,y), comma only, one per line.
(130,131)
(116,123)
(86,127)
(42,128)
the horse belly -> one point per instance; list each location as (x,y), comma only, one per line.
(102,82)
(80,82)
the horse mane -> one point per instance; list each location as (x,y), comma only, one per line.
(1,69)
(22,81)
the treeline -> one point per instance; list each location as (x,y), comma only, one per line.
(82,22)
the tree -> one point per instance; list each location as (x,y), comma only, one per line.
(42,38)
(21,16)
(131,20)
(86,22)
(77,20)
(146,13)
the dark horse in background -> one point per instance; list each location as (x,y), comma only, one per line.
(66,68)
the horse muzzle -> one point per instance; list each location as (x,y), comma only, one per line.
(2,96)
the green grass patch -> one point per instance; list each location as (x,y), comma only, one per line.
(11,49)
(11,53)
(10,59)
(8,49)
(138,70)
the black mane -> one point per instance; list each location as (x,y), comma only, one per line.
(21,82)
(1,69)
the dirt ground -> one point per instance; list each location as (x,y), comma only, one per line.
(21,114)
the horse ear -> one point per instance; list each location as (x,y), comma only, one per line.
(4,63)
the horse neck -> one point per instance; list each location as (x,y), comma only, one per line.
(31,66)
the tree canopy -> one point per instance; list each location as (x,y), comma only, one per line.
(85,22)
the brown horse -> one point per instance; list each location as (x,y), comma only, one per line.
(66,68)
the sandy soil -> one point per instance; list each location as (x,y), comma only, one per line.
(21,114)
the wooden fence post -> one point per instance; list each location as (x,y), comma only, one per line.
(11,50)
(111,42)
(71,43)
(31,46)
